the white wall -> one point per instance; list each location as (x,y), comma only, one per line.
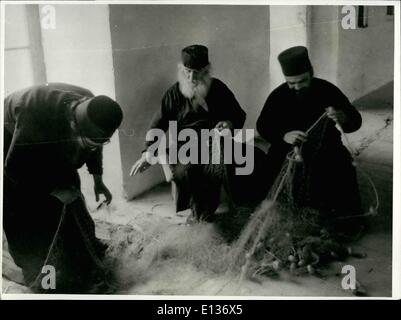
(23,54)
(324,41)
(288,28)
(78,51)
(357,60)
(366,55)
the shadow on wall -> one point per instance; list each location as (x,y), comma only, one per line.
(379,99)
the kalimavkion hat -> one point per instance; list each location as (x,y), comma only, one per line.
(195,56)
(97,118)
(295,61)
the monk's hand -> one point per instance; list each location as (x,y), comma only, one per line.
(223,127)
(100,188)
(141,165)
(338,116)
(295,137)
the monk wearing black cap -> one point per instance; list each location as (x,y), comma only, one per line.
(49,132)
(196,101)
(328,179)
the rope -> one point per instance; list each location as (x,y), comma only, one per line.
(373,210)
(88,245)
(259,235)
(295,156)
(316,123)
(292,156)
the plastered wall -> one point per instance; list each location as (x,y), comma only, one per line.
(147,41)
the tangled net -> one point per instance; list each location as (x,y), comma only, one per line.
(277,235)
(282,235)
(162,251)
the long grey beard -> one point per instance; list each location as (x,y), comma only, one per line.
(199,92)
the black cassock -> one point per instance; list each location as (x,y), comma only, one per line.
(329,181)
(41,158)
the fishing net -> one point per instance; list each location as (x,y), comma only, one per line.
(141,257)
(286,231)
(281,233)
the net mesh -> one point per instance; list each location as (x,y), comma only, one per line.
(284,232)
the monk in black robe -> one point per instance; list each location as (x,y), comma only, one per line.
(50,131)
(197,101)
(326,179)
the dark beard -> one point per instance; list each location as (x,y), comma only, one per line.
(302,94)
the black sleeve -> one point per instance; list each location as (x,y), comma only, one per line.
(268,124)
(353,117)
(162,117)
(23,137)
(95,162)
(236,114)
(31,159)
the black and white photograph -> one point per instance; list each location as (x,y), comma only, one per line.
(165,149)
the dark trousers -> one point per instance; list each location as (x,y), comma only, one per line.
(199,186)
(196,188)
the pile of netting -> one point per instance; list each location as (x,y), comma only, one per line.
(283,235)
(277,238)
(164,254)
(277,235)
